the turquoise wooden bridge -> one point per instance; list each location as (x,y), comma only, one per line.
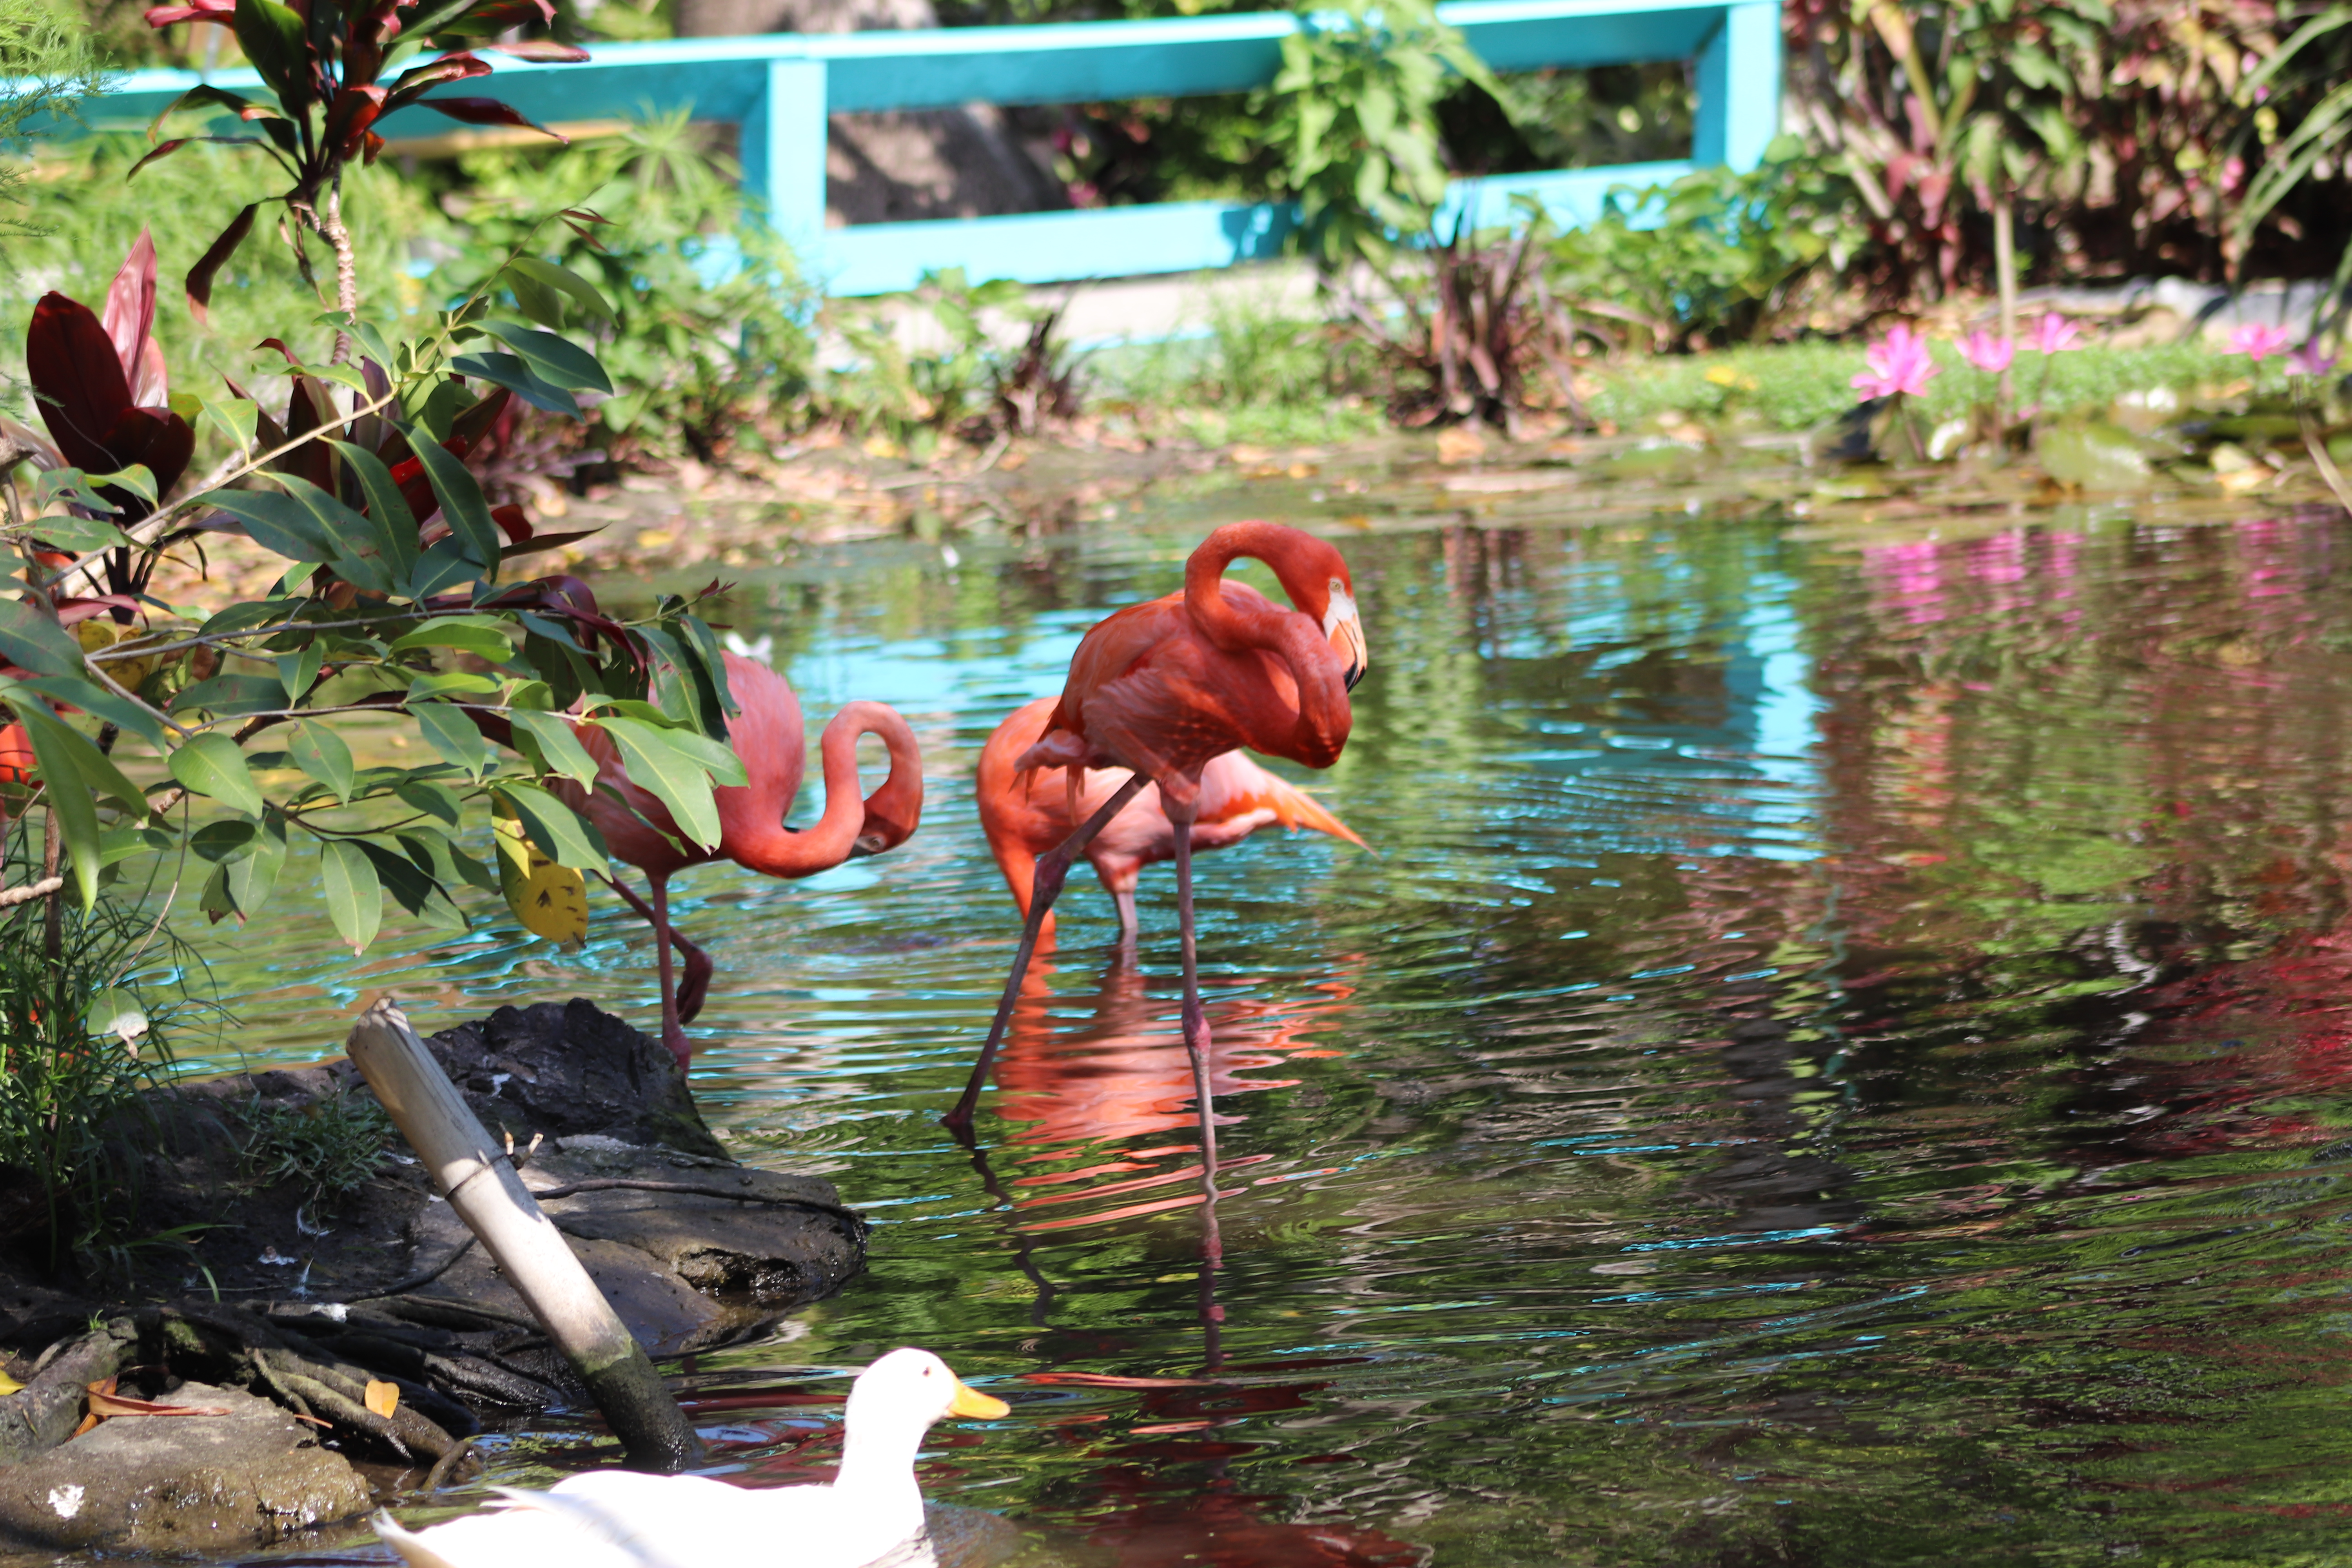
(780,86)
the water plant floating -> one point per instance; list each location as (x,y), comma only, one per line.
(615,1518)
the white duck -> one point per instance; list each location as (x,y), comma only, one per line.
(614,1518)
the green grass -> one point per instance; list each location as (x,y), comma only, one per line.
(1800,385)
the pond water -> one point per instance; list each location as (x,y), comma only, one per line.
(1832,1058)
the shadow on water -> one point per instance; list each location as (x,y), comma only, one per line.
(1837,1056)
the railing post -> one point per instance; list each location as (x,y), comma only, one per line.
(1738,87)
(783,151)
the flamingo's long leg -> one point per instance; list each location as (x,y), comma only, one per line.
(673,1034)
(694,981)
(1182,805)
(1053,870)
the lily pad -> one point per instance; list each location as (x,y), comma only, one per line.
(2095,457)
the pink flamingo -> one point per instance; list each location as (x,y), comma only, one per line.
(769,737)
(1161,689)
(1024,821)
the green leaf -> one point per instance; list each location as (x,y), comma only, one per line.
(79,534)
(658,764)
(119,711)
(272,36)
(451,733)
(413,887)
(35,642)
(559,748)
(320,753)
(477,635)
(556,361)
(227,695)
(461,500)
(432,799)
(252,877)
(387,509)
(211,766)
(568,837)
(299,672)
(277,522)
(93,767)
(354,895)
(223,837)
(548,275)
(516,376)
(237,420)
(363,552)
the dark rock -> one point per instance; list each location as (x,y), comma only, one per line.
(181,1483)
(43,1413)
(569,1067)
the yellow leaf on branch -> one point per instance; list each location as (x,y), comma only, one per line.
(551,900)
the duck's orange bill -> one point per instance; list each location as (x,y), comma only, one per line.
(969,1401)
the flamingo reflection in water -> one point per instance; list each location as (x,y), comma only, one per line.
(1110,1092)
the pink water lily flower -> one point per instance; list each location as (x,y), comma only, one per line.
(1987,353)
(2308,361)
(1898,365)
(2257,341)
(2053,333)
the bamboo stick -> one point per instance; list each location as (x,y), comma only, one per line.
(484,1190)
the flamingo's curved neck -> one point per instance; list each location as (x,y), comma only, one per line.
(1305,566)
(848,825)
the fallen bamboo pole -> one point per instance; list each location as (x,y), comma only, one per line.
(487,1193)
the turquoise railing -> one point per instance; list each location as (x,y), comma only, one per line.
(780,86)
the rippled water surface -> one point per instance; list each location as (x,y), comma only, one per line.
(1833,1058)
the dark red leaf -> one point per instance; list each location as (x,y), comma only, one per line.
(415,488)
(487,112)
(280,344)
(353,110)
(309,408)
(539,541)
(77,379)
(449,67)
(209,265)
(198,11)
(155,436)
(161,152)
(130,321)
(511,521)
(546,49)
(477,421)
(374,148)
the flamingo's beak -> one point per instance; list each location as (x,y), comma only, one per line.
(971,1402)
(1346,630)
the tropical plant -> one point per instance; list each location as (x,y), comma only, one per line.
(708,351)
(1715,257)
(1355,106)
(391,600)
(1468,330)
(961,381)
(326,68)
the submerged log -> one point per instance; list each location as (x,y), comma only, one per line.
(486,1192)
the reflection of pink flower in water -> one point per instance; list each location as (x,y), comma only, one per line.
(2308,361)
(2257,341)
(1899,365)
(1987,353)
(2053,333)
(1911,578)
